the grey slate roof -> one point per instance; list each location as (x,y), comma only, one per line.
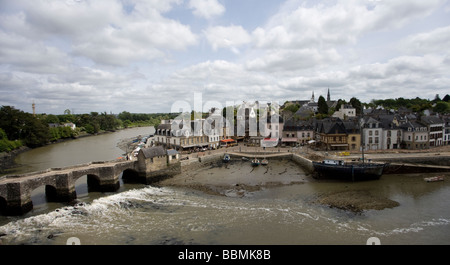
(153,151)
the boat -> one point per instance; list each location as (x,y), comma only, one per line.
(338,169)
(226,158)
(264,162)
(353,171)
(434,179)
(255,162)
(244,158)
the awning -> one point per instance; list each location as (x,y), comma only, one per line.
(227,140)
(269,142)
(289,140)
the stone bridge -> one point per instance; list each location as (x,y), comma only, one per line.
(15,191)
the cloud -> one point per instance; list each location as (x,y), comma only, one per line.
(435,41)
(26,55)
(101,31)
(227,37)
(206,8)
(292,60)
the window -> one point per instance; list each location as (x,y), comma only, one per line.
(376,133)
(370,133)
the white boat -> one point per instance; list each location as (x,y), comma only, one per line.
(434,179)
(264,162)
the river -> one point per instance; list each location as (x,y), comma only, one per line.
(102,147)
(284,214)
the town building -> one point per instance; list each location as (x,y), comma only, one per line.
(446,130)
(436,127)
(334,134)
(372,134)
(297,132)
(415,135)
(346,111)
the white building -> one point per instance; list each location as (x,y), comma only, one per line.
(372,134)
(345,112)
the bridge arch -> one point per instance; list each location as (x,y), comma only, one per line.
(130,175)
(3,205)
(93,183)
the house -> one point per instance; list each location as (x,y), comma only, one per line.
(332,134)
(345,112)
(274,126)
(297,132)
(392,134)
(436,128)
(446,130)
(172,156)
(182,136)
(372,134)
(415,135)
(152,159)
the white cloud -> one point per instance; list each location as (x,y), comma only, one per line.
(206,8)
(227,37)
(292,60)
(435,41)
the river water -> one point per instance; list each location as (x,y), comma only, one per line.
(286,214)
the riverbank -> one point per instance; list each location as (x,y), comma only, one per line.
(7,162)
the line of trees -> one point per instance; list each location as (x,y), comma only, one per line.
(416,104)
(18,128)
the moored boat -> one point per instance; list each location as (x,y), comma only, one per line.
(264,162)
(226,158)
(434,179)
(255,162)
(338,169)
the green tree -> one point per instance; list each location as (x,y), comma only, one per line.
(356,104)
(442,107)
(323,106)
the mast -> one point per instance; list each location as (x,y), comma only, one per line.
(361,125)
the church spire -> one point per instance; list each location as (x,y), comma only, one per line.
(312,98)
(328,95)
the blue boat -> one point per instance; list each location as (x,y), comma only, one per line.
(226,158)
(255,162)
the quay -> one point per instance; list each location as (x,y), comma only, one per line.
(155,163)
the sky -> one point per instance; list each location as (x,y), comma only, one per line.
(145,56)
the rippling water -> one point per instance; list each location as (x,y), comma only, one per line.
(282,215)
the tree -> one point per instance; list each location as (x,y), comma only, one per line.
(446,98)
(323,106)
(356,104)
(442,107)
(52,119)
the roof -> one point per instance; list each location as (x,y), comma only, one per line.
(431,120)
(172,152)
(153,151)
(164,127)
